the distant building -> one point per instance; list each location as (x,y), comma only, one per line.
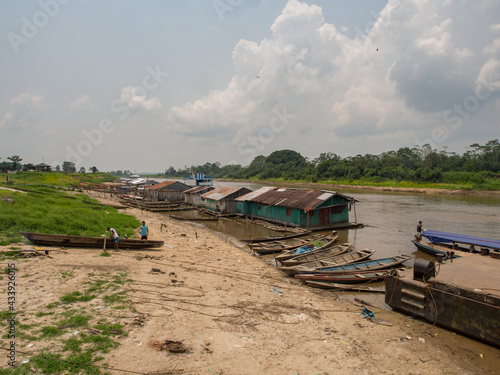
(222,199)
(193,195)
(296,207)
(167,191)
(42,167)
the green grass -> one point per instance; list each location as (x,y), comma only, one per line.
(77,297)
(56,214)
(60,179)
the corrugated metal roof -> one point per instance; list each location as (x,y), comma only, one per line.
(293,198)
(198,189)
(164,184)
(254,194)
(222,192)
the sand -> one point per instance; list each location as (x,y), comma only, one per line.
(206,306)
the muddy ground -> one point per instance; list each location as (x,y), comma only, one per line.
(203,305)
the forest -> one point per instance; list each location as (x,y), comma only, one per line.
(477,168)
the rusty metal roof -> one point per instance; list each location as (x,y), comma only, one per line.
(223,192)
(199,190)
(163,184)
(294,198)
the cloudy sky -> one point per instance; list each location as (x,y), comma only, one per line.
(142,85)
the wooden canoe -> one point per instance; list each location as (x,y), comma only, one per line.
(293,252)
(90,242)
(275,238)
(337,260)
(279,246)
(318,254)
(346,278)
(377,264)
(344,287)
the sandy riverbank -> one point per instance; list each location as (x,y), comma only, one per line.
(235,314)
(388,189)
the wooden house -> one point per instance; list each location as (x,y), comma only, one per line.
(223,198)
(193,195)
(171,191)
(296,207)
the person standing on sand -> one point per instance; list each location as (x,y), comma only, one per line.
(114,237)
(144,231)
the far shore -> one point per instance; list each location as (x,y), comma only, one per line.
(390,189)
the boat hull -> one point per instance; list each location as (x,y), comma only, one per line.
(87,242)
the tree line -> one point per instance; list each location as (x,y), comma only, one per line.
(15,165)
(479,164)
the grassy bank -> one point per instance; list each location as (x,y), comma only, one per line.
(49,209)
(58,178)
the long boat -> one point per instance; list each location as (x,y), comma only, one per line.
(275,238)
(301,250)
(318,254)
(278,246)
(344,287)
(90,242)
(435,236)
(346,278)
(377,264)
(337,260)
(434,249)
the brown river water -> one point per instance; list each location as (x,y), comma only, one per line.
(390,224)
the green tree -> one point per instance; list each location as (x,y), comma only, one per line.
(16,161)
(68,167)
(94,169)
(82,170)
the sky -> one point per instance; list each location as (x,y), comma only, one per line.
(144,85)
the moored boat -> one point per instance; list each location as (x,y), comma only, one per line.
(344,287)
(307,248)
(318,254)
(346,278)
(279,246)
(90,242)
(275,238)
(376,264)
(337,260)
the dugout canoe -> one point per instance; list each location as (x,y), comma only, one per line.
(346,278)
(278,246)
(88,242)
(331,262)
(344,287)
(376,264)
(318,254)
(275,238)
(293,252)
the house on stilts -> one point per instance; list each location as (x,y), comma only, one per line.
(312,209)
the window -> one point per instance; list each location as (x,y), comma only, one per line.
(311,213)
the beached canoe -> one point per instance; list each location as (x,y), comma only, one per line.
(275,238)
(345,287)
(64,240)
(330,240)
(346,278)
(336,260)
(377,264)
(279,246)
(318,254)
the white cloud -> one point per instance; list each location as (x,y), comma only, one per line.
(136,99)
(23,110)
(82,103)
(418,61)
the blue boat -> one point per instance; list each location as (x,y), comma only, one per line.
(369,265)
(434,249)
(450,238)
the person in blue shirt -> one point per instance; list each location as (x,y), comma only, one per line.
(144,231)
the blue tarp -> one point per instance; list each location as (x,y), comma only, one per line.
(305,249)
(434,236)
